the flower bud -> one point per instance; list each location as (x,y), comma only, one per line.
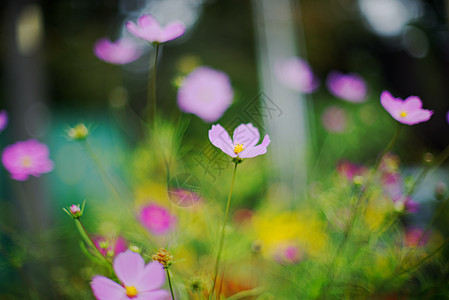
(75,211)
(79,132)
(164,257)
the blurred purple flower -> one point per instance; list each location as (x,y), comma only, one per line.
(110,246)
(406,111)
(149,29)
(139,281)
(157,219)
(206,93)
(393,186)
(350,87)
(334,119)
(26,158)
(243,145)
(121,52)
(3,119)
(295,73)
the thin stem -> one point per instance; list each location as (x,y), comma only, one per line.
(220,245)
(151,105)
(169,284)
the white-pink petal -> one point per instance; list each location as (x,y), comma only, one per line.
(128,267)
(106,289)
(246,134)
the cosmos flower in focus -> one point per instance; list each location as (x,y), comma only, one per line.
(408,111)
(109,247)
(296,74)
(157,219)
(350,87)
(243,144)
(206,93)
(121,52)
(3,119)
(26,158)
(149,29)
(138,281)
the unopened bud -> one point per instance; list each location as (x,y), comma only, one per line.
(79,132)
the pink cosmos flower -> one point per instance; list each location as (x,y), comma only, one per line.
(149,29)
(406,111)
(295,73)
(139,281)
(3,119)
(206,93)
(243,144)
(110,246)
(157,219)
(26,158)
(350,87)
(350,170)
(121,52)
(334,119)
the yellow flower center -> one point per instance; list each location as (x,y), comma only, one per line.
(238,148)
(26,161)
(403,114)
(131,291)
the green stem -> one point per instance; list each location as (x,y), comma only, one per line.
(169,283)
(151,105)
(220,245)
(88,239)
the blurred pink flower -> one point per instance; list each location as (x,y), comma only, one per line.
(289,254)
(3,119)
(110,246)
(157,219)
(243,145)
(447,117)
(206,93)
(406,111)
(393,186)
(349,170)
(139,281)
(295,73)
(350,87)
(415,236)
(26,158)
(334,119)
(121,52)
(149,29)
(183,197)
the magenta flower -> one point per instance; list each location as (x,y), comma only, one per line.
(416,237)
(350,87)
(206,93)
(121,52)
(349,170)
(296,74)
(243,144)
(139,281)
(26,158)
(335,119)
(288,254)
(157,219)
(110,246)
(406,111)
(3,119)
(149,29)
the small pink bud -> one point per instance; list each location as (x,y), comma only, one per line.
(75,210)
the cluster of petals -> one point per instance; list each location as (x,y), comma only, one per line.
(26,158)
(206,93)
(243,143)
(139,281)
(296,74)
(157,219)
(123,51)
(408,111)
(350,87)
(149,29)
